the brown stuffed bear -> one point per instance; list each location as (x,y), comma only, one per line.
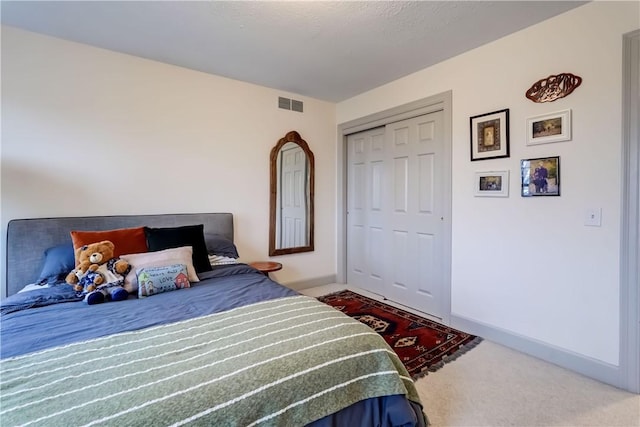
(96,266)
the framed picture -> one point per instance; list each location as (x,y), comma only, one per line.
(540,177)
(492,184)
(490,135)
(552,127)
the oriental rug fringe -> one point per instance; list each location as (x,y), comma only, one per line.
(422,344)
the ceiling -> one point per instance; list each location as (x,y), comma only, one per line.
(325,50)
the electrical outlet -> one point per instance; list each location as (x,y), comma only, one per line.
(593,217)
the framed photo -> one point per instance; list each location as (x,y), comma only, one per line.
(540,177)
(552,127)
(492,184)
(490,135)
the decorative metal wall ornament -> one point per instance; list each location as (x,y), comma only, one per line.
(553,87)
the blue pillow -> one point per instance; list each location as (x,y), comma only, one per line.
(58,262)
(220,245)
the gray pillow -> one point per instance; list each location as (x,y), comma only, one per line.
(220,245)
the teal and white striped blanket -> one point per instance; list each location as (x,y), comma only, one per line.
(284,362)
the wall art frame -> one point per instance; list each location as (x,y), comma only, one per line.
(491,184)
(540,176)
(547,128)
(489,135)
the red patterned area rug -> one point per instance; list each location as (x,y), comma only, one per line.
(423,345)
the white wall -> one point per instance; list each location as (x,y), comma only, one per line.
(170,139)
(529,266)
(87,131)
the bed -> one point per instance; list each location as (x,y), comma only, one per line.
(234,349)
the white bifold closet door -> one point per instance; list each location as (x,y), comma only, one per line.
(395,212)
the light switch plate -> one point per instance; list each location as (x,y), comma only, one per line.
(593,217)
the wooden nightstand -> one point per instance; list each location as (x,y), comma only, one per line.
(266,267)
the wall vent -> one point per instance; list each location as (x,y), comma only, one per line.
(290,104)
(284,103)
(296,105)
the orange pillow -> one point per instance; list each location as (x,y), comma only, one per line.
(126,240)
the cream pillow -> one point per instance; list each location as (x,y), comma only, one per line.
(182,255)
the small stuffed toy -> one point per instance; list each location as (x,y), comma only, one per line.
(98,274)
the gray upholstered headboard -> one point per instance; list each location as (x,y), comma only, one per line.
(27,239)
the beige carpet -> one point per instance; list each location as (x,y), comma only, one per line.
(492,385)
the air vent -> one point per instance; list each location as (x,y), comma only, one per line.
(296,105)
(284,103)
(289,104)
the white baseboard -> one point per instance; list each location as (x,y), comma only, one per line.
(592,368)
(310,283)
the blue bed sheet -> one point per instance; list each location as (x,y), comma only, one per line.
(226,287)
(40,296)
(25,329)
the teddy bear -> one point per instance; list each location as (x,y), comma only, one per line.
(98,274)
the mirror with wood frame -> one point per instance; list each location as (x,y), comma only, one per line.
(291,205)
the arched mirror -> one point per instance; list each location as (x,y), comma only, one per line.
(292,179)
